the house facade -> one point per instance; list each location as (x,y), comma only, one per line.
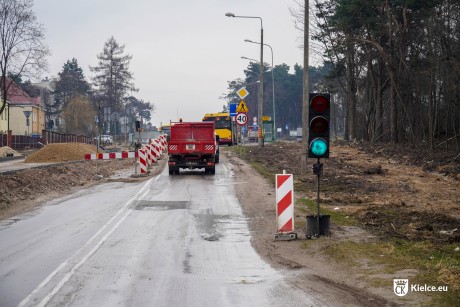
(4,119)
(27,116)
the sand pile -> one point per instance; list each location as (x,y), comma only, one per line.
(61,152)
(5,150)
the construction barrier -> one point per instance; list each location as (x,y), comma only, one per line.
(163,142)
(145,157)
(152,153)
(156,149)
(285,206)
(142,161)
(111,155)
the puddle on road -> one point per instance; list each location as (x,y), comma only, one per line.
(212,227)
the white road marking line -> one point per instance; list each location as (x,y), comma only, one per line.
(86,257)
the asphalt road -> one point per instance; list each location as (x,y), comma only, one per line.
(170,241)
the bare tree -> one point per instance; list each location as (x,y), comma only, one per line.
(23,51)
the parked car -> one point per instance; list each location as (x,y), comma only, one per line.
(106,139)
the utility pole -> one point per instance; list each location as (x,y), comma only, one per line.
(304,151)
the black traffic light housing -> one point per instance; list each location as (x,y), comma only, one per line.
(319,111)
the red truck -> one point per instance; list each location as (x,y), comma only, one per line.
(193,145)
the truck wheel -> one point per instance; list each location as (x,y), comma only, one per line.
(212,171)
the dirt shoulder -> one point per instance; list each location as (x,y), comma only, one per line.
(23,190)
(388,200)
(308,269)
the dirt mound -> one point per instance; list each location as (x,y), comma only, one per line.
(61,152)
(8,150)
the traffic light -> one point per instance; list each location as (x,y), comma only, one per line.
(319,111)
(138,125)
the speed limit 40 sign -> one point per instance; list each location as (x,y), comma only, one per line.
(241,119)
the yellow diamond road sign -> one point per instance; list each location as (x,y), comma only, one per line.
(242,107)
(242,93)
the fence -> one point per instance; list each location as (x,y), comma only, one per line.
(37,140)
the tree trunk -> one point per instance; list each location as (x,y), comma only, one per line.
(351,97)
(393,114)
(430,113)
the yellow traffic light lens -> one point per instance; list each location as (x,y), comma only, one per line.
(318,147)
(319,124)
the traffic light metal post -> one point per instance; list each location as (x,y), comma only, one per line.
(318,171)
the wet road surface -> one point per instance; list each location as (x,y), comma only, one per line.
(170,241)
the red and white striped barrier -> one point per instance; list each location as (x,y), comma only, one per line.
(163,143)
(285,205)
(153,157)
(156,149)
(147,155)
(111,155)
(142,161)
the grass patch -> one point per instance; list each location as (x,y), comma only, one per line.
(264,171)
(438,265)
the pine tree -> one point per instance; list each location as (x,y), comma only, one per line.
(113,81)
(71,83)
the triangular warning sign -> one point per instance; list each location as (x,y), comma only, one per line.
(242,107)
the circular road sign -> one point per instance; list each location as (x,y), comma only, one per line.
(241,119)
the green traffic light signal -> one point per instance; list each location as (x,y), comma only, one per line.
(318,147)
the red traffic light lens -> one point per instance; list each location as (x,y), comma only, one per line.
(319,125)
(319,104)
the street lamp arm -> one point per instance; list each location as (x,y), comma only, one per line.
(245,58)
(271,49)
(250,41)
(237,16)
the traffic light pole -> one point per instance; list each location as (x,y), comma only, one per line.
(317,170)
(318,141)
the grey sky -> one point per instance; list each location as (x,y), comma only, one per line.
(184,51)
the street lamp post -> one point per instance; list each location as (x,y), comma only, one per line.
(273,85)
(261,86)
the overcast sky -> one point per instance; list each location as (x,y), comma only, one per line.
(184,51)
